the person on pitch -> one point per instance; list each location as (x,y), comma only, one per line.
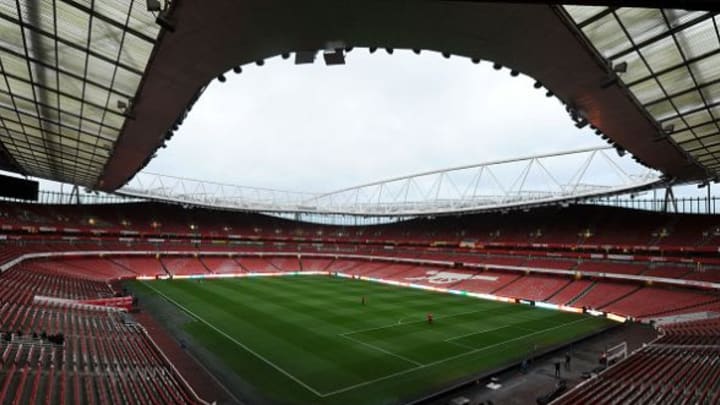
(430,318)
(363,300)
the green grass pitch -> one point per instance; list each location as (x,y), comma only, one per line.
(310,340)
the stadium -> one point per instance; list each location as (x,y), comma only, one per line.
(586,276)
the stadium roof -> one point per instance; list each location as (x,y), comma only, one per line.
(517,183)
(66,67)
(89,90)
(672,62)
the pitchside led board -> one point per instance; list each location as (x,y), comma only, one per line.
(13,187)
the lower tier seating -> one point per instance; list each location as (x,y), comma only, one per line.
(67,353)
(681,367)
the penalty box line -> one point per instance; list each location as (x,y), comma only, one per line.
(479,332)
(380,349)
(237,342)
(457,356)
(395,325)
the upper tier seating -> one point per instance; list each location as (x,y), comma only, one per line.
(574,225)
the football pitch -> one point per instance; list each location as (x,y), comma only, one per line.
(310,340)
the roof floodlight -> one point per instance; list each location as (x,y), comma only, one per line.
(304,57)
(122,105)
(237,69)
(514,73)
(153,5)
(669,128)
(417,51)
(497,66)
(446,55)
(620,67)
(372,49)
(537,85)
(475,60)
(389,51)
(260,62)
(163,21)
(549,94)
(620,151)
(285,55)
(335,57)
(221,78)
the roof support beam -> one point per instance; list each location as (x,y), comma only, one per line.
(676,4)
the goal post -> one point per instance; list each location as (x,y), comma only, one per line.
(616,353)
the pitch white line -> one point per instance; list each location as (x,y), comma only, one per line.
(380,349)
(459,344)
(232,339)
(394,325)
(457,356)
(368,382)
(479,332)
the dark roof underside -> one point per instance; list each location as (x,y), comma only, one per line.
(90,89)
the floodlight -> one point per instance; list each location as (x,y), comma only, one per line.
(304,57)
(221,78)
(335,57)
(153,5)
(260,62)
(237,69)
(389,51)
(497,66)
(514,73)
(446,55)
(537,85)
(620,67)
(164,22)
(475,60)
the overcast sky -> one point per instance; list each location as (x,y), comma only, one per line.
(320,128)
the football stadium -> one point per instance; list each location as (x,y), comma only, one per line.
(585,276)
